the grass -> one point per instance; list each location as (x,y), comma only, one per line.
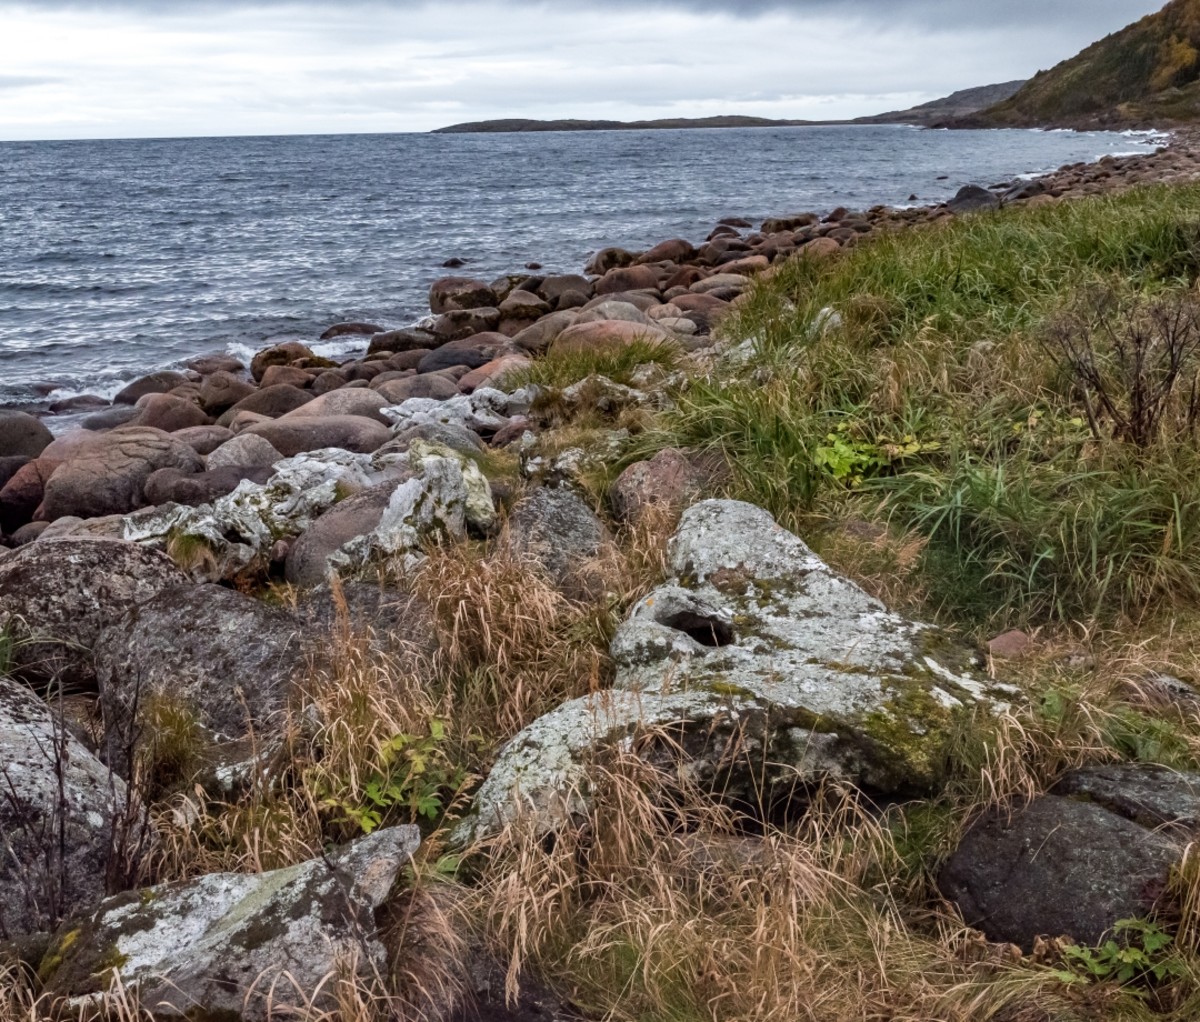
(937,448)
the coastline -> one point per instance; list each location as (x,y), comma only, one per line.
(64,411)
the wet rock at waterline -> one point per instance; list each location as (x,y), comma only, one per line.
(239,947)
(771,671)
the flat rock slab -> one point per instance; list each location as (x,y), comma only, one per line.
(755,645)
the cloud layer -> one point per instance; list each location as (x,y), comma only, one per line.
(117,68)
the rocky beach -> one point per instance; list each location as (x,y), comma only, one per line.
(337,689)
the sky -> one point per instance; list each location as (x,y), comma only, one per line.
(157,68)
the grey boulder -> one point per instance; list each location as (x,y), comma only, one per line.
(60,813)
(233,946)
(557,531)
(56,597)
(22,435)
(773,673)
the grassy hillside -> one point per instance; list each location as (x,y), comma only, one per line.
(1148,72)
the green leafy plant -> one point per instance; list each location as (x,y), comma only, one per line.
(416,778)
(1139,954)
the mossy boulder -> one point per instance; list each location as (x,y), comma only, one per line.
(768,670)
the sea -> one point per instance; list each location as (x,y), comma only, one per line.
(118,258)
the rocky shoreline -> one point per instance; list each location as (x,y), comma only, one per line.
(137,549)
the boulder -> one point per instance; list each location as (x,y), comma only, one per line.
(22,495)
(483,411)
(155,383)
(770,671)
(557,531)
(609,259)
(613,311)
(441,495)
(537,338)
(218,362)
(457,438)
(608,335)
(273,402)
(110,418)
(279,355)
(221,391)
(392,620)
(223,659)
(401,340)
(448,357)
(719,282)
(308,560)
(350,330)
(452,326)
(552,289)
(204,439)
(170,486)
(348,432)
(61,816)
(644,301)
(667,480)
(453,294)
(248,947)
(632,278)
(286,376)
(359,401)
(10,466)
(674,251)
(56,598)
(495,373)
(433,386)
(972,199)
(21,435)
(169,413)
(1073,864)
(109,478)
(244,450)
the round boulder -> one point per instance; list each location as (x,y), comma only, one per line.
(109,476)
(155,383)
(21,435)
(454,294)
(347,432)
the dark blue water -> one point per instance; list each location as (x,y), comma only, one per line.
(121,257)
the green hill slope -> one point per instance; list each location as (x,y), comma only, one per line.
(1147,73)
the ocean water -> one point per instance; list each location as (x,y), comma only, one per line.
(117,258)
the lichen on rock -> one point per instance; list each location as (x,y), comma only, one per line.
(755,638)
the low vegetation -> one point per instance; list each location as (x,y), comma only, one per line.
(991,423)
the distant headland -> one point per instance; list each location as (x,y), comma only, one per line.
(960,104)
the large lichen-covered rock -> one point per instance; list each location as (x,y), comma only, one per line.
(57,596)
(555,529)
(238,947)
(60,815)
(769,669)
(484,411)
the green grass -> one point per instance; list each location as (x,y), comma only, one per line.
(560,369)
(938,406)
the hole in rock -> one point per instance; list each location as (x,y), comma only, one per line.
(708,631)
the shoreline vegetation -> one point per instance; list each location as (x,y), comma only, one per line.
(703,636)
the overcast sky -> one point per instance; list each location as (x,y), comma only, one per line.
(221,67)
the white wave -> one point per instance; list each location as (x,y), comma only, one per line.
(107,391)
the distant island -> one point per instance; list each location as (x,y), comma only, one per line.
(961,104)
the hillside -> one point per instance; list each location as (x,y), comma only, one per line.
(1146,74)
(959,104)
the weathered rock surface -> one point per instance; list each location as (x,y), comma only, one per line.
(393,620)
(234,946)
(226,660)
(454,294)
(1060,867)
(109,475)
(347,432)
(342,402)
(59,813)
(155,383)
(308,561)
(666,480)
(56,598)
(555,529)
(755,645)
(246,450)
(21,435)
(169,413)
(170,486)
